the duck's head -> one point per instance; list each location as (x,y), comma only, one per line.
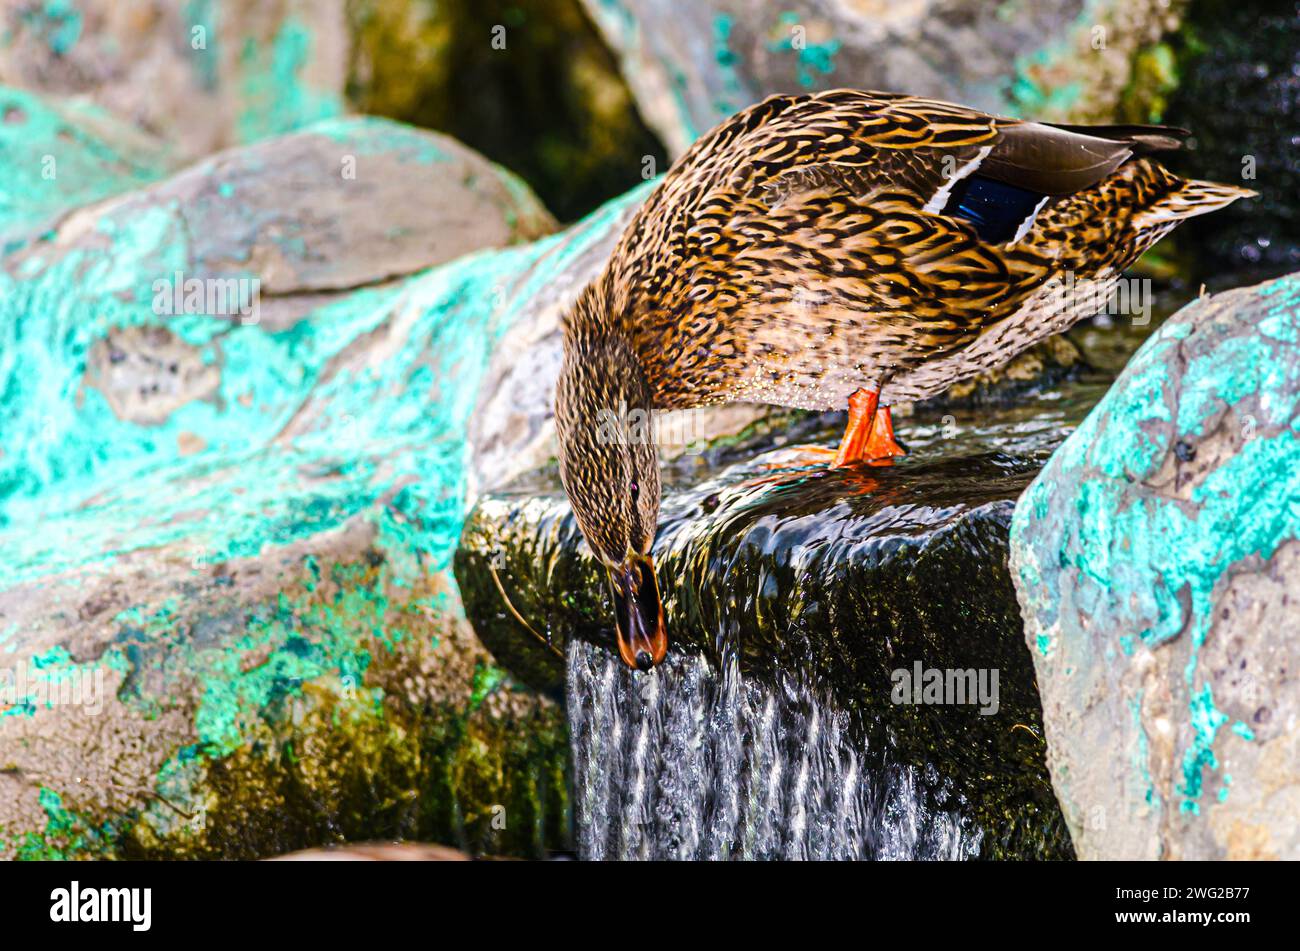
(611,475)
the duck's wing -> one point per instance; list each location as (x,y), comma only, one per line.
(862,141)
(822,243)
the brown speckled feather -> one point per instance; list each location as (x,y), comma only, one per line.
(799,251)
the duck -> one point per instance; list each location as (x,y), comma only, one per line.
(846,249)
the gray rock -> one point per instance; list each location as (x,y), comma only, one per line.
(348,203)
(691,65)
(1157,562)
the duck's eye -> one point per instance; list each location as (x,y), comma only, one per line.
(636,491)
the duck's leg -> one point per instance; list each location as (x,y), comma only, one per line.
(869,437)
(857,435)
(881,444)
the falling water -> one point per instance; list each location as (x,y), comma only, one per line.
(687,762)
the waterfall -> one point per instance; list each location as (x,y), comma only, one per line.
(688,762)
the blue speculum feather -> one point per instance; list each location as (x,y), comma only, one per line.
(996,209)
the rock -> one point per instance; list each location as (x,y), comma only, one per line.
(58,157)
(1157,560)
(202,75)
(227,628)
(1239,92)
(827,582)
(321,691)
(278,213)
(543,96)
(346,204)
(691,65)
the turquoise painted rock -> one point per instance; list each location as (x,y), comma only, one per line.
(1157,562)
(691,65)
(327,221)
(227,622)
(203,74)
(59,156)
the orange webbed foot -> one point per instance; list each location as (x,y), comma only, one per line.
(857,434)
(869,436)
(882,447)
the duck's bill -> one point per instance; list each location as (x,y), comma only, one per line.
(638,613)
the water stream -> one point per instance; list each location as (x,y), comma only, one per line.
(688,762)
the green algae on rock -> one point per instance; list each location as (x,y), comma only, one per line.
(1153,558)
(233,632)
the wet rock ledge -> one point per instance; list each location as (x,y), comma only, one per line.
(806,579)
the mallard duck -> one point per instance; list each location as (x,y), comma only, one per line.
(844,249)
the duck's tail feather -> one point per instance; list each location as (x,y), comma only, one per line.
(1193,197)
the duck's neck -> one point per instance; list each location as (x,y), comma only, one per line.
(602,364)
(594,314)
(600,356)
